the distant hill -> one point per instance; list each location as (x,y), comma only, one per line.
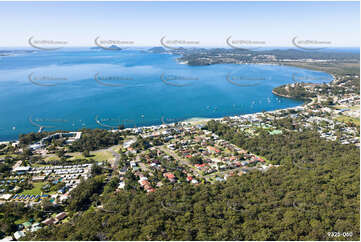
(157,50)
(112,47)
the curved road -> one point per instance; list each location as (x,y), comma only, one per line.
(115,163)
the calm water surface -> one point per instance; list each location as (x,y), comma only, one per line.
(97,88)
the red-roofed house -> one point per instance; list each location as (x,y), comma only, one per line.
(200,165)
(213,149)
(169,175)
(151,190)
(144,182)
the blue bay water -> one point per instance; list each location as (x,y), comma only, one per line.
(73,89)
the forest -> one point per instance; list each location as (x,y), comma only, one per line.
(314,192)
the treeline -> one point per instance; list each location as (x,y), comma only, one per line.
(313,192)
(219,55)
(10,212)
(82,196)
(94,139)
(27,139)
(297,92)
(289,147)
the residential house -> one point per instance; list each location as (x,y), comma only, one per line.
(19,234)
(49,221)
(60,216)
(27,225)
(170,176)
(35,227)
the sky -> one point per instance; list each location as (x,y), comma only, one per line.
(208,23)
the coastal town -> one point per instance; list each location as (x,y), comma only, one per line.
(180,121)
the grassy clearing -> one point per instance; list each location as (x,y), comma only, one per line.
(116,148)
(75,155)
(357,107)
(353,108)
(11,155)
(347,119)
(36,190)
(95,155)
(52,158)
(102,155)
(38,165)
(20,221)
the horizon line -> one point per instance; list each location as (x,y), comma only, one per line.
(185,47)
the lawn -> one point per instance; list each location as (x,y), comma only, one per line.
(11,155)
(75,155)
(38,165)
(353,108)
(52,158)
(102,155)
(36,190)
(346,119)
(20,221)
(95,155)
(116,148)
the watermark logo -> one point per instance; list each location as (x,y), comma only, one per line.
(305,165)
(111,206)
(169,166)
(244,81)
(177,80)
(165,120)
(76,218)
(101,236)
(177,44)
(304,204)
(115,123)
(107,80)
(301,204)
(244,44)
(173,205)
(310,44)
(112,123)
(45,80)
(46,122)
(298,78)
(112,44)
(235,206)
(46,44)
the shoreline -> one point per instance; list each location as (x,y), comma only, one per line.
(195,120)
(192,121)
(281,95)
(290,97)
